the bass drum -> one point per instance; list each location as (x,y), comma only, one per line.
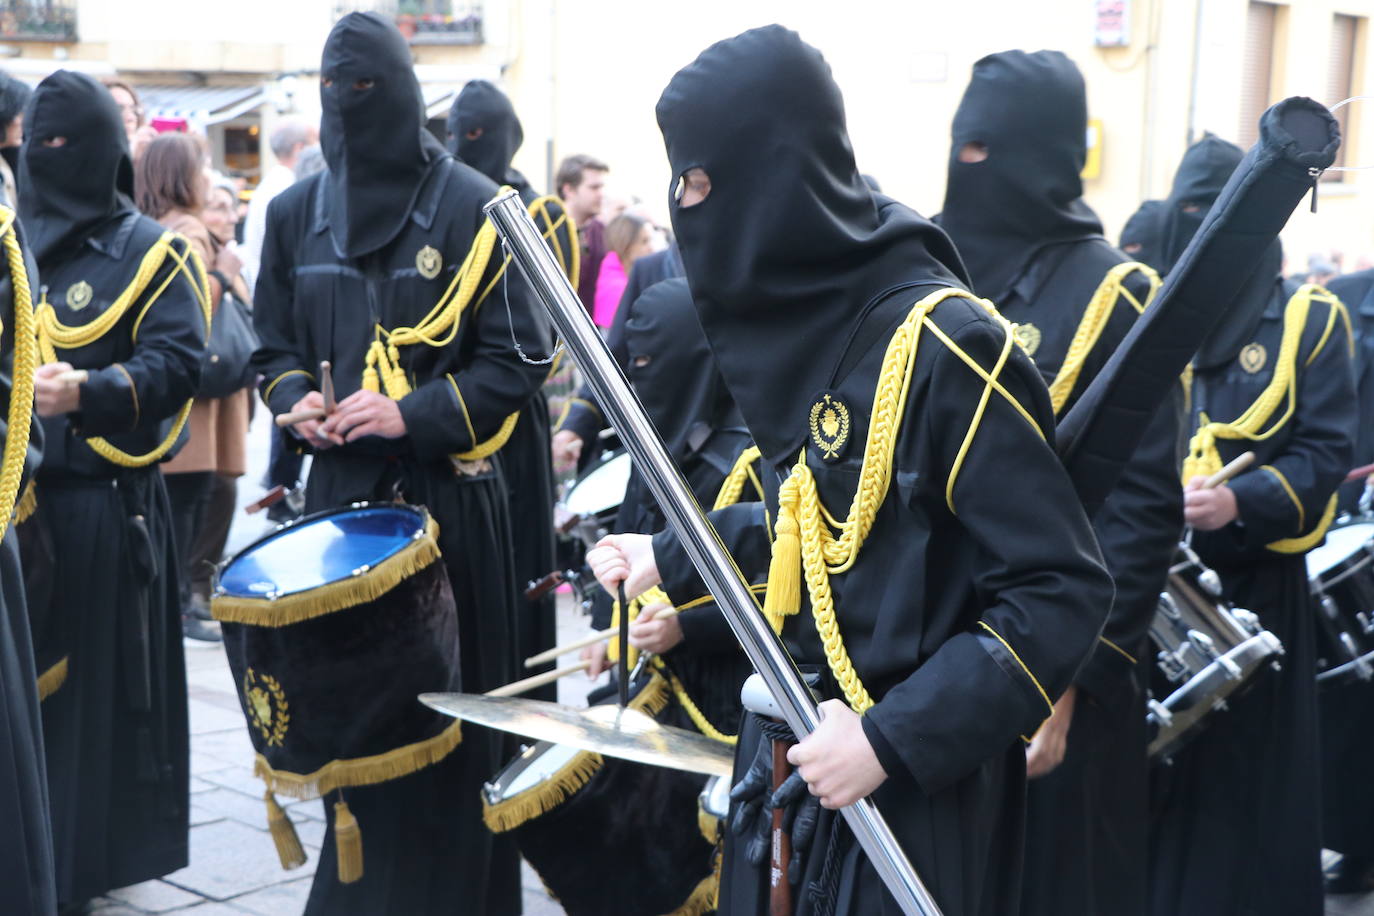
(591,504)
(1207,653)
(1341,572)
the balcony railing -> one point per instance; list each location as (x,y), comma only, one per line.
(38,20)
(432,22)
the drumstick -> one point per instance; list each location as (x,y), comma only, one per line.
(590,639)
(1234,467)
(270,498)
(1359,473)
(299,416)
(73,377)
(539,680)
(327,387)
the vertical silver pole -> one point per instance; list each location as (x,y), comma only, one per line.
(703,545)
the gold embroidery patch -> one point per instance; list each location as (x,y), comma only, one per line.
(829,425)
(267,709)
(1028,336)
(79,295)
(428,261)
(1252,357)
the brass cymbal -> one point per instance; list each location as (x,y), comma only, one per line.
(627,734)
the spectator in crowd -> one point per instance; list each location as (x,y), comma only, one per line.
(136,126)
(1321,269)
(581,181)
(289,138)
(628,238)
(14,95)
(309,162)
(170,185)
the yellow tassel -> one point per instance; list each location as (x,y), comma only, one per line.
(49,681)
(784,571)
(370,380)
(348,842)
(289,848)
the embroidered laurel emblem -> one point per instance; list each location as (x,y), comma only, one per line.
(1252,357)
(79,295)
(428,261)
(829,426)
(1028,336)
(267,708)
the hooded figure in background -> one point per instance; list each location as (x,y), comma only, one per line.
(1274,377)
(1142,236)
(804,302)
(484,131)
(107,622)
(367,247)
(1014,208)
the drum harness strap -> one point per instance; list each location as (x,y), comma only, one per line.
(804,538)
(439,328)
(53,334)
(1203,457)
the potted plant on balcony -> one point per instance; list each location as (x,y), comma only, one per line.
(407,14)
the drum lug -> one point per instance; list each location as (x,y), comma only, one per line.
(1329,607)
(1366,623)
(1210,582)
(1348,643)
(1204,645)
(1169,606)
(1160,713)
(1171,666)
(1248,620)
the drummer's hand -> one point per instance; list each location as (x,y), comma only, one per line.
(651,633)
(627,558)
(52,397)
(364,413)
(309,430)
(567,449)
(1046,750)
(1208,510)
(595,657)
(836,760)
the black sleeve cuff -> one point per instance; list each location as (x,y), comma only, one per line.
(887,755)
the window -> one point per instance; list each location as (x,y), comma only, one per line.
(1257,69)
(1340,81)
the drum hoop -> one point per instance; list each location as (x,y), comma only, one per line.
(1322,583)
(364,585)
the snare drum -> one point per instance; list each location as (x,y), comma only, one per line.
(1341,573)
(713,808)
(1208,652)
(592,503)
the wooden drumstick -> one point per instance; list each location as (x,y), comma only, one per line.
(299,416)
(1359,473)
(590,639)
(327,388)
(1234,467)
(539,680)
(73,377)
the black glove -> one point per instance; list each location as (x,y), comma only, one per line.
(802,811)
(749,797)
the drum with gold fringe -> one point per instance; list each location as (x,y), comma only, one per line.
(332,625)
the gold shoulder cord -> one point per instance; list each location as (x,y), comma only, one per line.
(52,334)
(25,362)
(439,328)
(1203,457)
(1095,318)
(804,538)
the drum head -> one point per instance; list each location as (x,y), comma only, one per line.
(319,549)
(536,765)
(1341,543)
(602,489)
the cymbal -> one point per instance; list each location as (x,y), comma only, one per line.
(627,734)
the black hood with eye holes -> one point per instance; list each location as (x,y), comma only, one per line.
(66,193)
(791,247)
(671,366)
(1031,112)
(1146,229)
(482,106)
(373,139)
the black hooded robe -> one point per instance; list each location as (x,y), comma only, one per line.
(959,626)
(116,731)
(1236,817)
(351,237)
(1035,248)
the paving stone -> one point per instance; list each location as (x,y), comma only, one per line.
(232,746)
(199,785)
(214,909)
(215,696)
(278,900)
(112,908)
(206,718)
(155,897)
(201,815)
(228,859)
(204,763)
(238,778)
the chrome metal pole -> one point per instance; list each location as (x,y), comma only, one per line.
(703,545)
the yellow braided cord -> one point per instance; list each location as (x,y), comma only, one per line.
(52,334)
(1095,318)
(733,487)
(803,529)
(25,362)
(692,709)
(1204,459)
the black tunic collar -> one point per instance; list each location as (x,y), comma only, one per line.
(423,213)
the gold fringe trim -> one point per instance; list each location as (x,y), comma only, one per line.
(569,778)
(348,843)
(288,842)
(705,898)
(336,596)
(51,680)
(27,505)
(709,825)
(361,771)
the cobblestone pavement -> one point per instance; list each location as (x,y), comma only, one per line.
(234,868)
